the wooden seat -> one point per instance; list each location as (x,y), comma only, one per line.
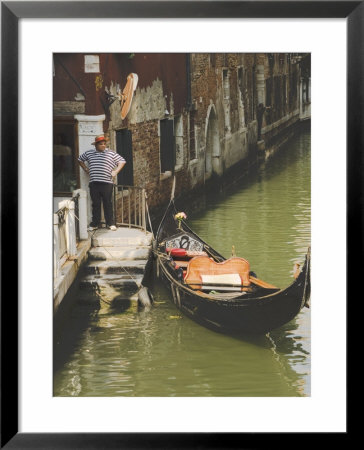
(181,263)
(204,267)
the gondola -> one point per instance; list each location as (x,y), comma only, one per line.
(223,294)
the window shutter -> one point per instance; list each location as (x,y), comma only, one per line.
(167,150)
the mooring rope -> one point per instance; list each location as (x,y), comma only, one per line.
(131,276)
(139,285)
(150,223)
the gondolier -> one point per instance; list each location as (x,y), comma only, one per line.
(102,165)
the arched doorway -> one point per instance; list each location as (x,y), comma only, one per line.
(212,153)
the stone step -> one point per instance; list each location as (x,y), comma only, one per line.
(105,294)
(119,253)
(113,280)
(112,242)
(121,300)
(119,294)
(121,237)
(136,266)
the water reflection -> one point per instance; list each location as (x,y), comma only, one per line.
(109,348)
(161,353)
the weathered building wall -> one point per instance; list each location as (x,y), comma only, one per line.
(161,94)
(224,97)
(281,96)
(74,85)
(208,102)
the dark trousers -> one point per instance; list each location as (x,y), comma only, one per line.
(101,193)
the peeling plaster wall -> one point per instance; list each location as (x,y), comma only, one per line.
(215,82)
(148,104)
(221,92)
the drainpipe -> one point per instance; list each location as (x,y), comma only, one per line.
(188,75)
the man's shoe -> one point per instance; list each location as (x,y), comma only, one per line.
(112,227)
(91,228)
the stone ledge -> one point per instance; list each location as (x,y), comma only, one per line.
(68,273)
(119,266)
(120,253)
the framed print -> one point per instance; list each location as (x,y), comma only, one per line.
(32,32)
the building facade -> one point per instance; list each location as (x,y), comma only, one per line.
(195,116)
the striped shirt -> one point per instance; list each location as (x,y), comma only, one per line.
(101,164)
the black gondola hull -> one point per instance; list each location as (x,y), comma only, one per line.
(256,315)
(257,312)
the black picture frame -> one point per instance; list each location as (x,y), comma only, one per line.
(11,12)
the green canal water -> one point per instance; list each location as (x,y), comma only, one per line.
(109,351)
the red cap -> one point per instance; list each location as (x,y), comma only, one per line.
(98,139)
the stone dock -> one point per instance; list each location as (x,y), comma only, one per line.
(117,261)
(115,264)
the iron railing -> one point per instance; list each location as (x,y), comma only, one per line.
(130,206)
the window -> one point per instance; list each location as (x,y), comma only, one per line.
(167,146)
(65,155)
(226,93)
(226,84)
(92,64)
(241,91)
(241,81)
(284,93)
(293,89)
(125,149)
(252,111)
(268,91)
(277,86)
(192,139)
